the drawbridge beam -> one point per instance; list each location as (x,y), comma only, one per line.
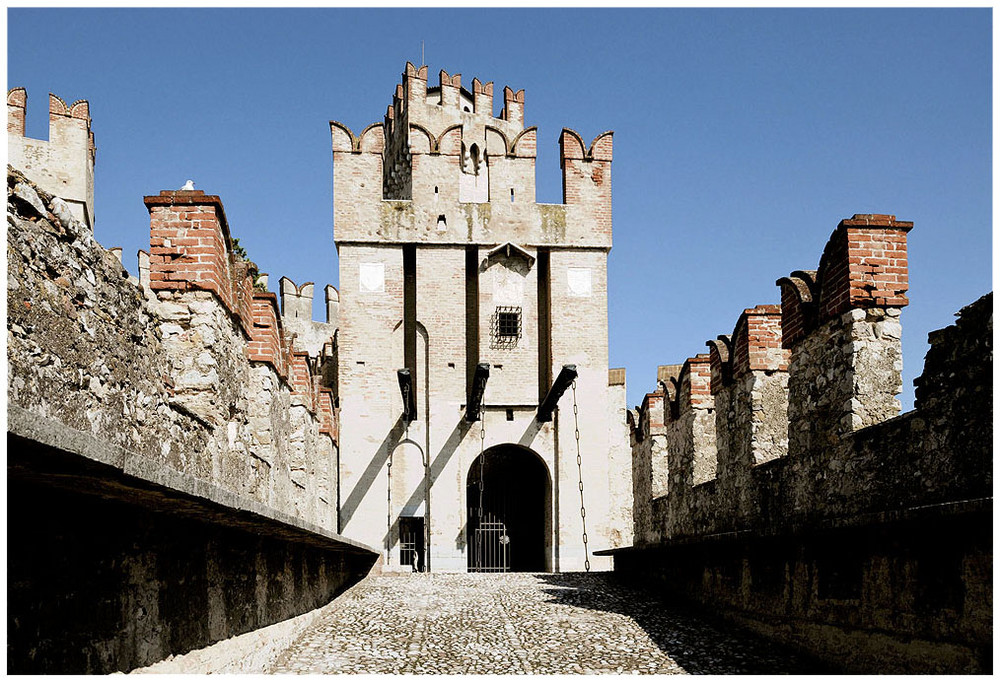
(406,391)
(567,375)
(474,408)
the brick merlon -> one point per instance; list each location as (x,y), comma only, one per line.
(194,197)
(876,220)
(272,299)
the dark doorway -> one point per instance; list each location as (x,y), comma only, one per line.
(508,510)
(411,542)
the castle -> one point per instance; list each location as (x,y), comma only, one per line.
(192,457)
(451,273)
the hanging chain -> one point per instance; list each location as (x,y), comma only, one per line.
(579,468)
(477,547)
(482,462)
(388,507)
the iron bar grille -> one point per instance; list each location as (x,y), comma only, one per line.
(506,327)
(491,551)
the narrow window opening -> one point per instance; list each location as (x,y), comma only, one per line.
(512,195)
(510,415)
(442,222)
(474,156)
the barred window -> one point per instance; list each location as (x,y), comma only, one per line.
(506,327)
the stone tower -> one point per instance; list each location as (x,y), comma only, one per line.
(450,271)
(62,165)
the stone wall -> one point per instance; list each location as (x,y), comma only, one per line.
(181,390)
(620,483)
(830,522)
(99,583)
(89,348)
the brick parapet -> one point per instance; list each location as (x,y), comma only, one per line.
(651,413)
(191,248)
(64,118)
(844,337)
(938,452)
(17,100)
(513,106)
(793,381)
(695,384)
(164,373)
(327,414)
(451,89)
(587,175)
(798,306)
(756,341)
(864,265)
(301,380)
(482,97)
(415,85)
(267,336)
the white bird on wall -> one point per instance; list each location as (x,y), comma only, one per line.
(188,186)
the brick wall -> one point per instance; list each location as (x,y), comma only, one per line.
(427,137)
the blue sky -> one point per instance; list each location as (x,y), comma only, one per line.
(741,136)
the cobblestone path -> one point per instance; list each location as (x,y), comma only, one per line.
(522,623)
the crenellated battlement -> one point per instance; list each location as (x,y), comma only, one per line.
(441,159)
(793,489)
(297,315)
(63,165)
(181,408)
(191,250)
(222,352)
(792,383)
(296,301)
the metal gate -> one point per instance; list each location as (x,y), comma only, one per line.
(491,551)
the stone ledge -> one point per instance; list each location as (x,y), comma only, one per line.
(910,514)
(66,456)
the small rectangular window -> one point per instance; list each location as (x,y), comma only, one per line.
(506,327)
(508,324)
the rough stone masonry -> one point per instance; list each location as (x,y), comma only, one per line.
(171,452)
(776,483)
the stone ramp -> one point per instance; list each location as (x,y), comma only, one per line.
(522,623)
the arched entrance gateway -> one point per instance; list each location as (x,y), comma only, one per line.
(509,527)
